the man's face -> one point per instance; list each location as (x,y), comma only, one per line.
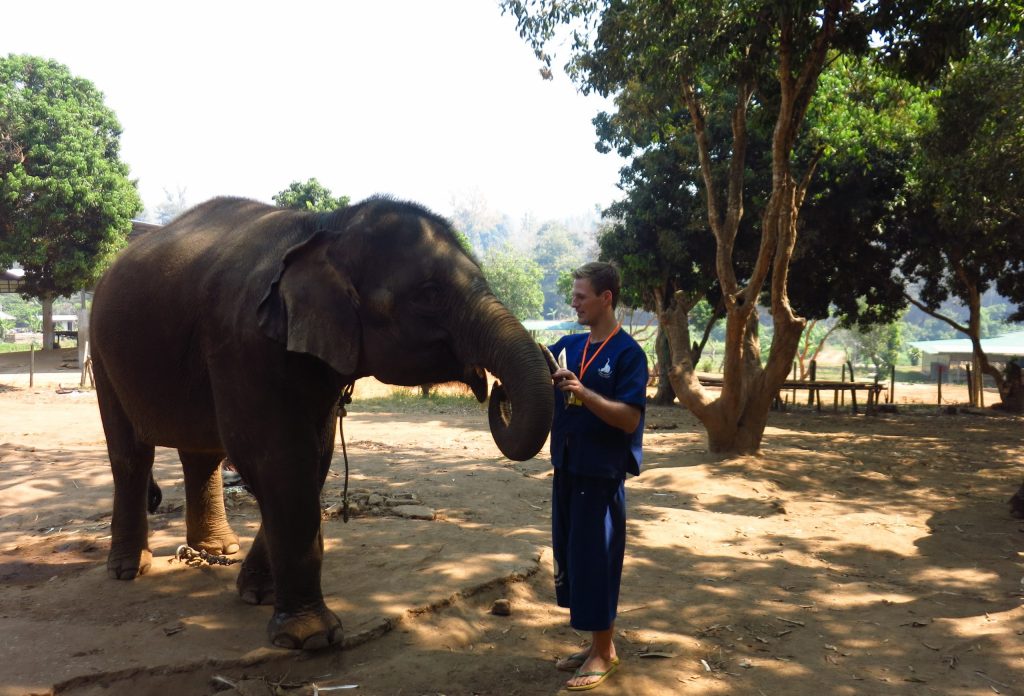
(589,305)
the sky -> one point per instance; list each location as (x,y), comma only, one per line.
(428,101)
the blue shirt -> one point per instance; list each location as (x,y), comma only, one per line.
(582,443)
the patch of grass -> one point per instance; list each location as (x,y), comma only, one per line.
(14,347)
(443,399)
(25,347)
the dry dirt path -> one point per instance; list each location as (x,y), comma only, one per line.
(857,555)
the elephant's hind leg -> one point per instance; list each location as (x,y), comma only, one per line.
(131,464)
(205,517)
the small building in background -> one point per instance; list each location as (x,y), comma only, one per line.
(954,355)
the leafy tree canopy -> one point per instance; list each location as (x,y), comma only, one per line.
(309,195)
(485,228)
(515,280)
(557,251)
(684,69)
(963,228)
(66,202)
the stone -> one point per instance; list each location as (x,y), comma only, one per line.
(414,512)
(501,607)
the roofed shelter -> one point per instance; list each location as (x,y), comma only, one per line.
(955,353)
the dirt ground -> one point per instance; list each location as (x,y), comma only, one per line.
(857,555)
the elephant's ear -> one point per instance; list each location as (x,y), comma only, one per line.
(311,307)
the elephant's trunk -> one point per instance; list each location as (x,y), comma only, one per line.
(521,406)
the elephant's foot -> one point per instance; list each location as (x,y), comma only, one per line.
(219,541)
(255,584)
(307,630)
(127,565)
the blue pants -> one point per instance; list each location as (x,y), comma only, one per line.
(588,529)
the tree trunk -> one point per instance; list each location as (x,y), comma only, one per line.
(973,328)
(665,395)
(48,334)
(735,421)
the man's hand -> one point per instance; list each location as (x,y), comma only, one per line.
(617,414)
(568,382)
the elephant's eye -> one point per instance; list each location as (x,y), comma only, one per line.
(428,296)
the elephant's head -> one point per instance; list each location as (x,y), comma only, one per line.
(383,288)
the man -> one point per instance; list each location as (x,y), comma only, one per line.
(596,438)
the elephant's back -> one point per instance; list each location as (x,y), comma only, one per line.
(212,238)
(226,247)
(178,290)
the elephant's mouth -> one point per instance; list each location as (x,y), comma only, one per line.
(476,378)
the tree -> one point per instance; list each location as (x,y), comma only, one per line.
(309,195)
(962,229)
(66,202)
(815,334)
(557,251)
(672,66)
(172,206)
(878,343)
(485,228)
(655,237)
(515,280)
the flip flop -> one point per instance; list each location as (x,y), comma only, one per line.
(593,685)
(573,662)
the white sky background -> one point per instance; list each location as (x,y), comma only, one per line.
(428,101)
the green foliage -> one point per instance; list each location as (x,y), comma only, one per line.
(864,123)
(880,344)
(66,202)
(309,195)
(485,228)
(558,252)
(515,280)
(464,242)
(564,288)
(861,125)
(23,310)
(962,226)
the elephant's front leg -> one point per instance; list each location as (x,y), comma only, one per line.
(291,524)
(255,581)
(205,518)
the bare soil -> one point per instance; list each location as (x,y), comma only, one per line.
(856,555)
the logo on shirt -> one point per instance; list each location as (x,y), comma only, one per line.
(606,371)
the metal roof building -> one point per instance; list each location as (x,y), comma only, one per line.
(953,351)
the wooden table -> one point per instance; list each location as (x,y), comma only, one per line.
(814,389)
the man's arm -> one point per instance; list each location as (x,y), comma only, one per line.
(617,414)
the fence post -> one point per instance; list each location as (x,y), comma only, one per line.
(940,385)
(32,364)
(813,376)
(892,384)
(842,392)
(853,392)
(795,377)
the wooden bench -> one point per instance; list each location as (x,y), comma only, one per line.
(814,389)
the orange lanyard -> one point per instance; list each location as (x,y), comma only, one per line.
(584,363)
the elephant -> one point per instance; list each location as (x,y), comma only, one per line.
(234,330)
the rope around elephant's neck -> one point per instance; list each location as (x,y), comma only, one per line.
(346,399)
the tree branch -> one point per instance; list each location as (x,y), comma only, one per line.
(935,314)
